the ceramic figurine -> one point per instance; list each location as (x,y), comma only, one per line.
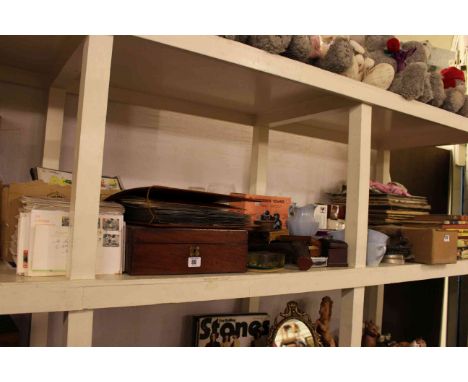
(278,223)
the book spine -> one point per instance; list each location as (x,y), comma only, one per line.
(455,227)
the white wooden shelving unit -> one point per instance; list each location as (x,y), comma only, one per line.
(224,80)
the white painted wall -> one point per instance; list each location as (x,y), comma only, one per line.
(170,324)
(145,147)
(21,131)
(183,151)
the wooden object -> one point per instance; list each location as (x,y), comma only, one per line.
(61,294)
(89,148)
(39,328)
(370,334)
(374,295)
(296,250)
(257,182)
(87,173)
(357,202)
(54,126)
(50,159)
(79,328)
(336,251)
(165,251)
(259,160)
(323,322)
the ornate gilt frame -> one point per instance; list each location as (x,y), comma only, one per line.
(292,311)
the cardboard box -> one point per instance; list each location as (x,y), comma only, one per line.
(272,204)
(432,245)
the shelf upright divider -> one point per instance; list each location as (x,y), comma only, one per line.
(50,159)
(259,160)
(87,172)
(357,209)
(374,295)
(53,129)
(257,183)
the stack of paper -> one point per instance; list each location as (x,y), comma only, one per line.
(42,238)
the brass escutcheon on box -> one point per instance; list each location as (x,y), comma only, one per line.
(194,251)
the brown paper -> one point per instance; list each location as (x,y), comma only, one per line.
(11,195)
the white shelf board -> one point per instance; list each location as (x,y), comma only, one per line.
(222,79)
(31,295)
(241,79)
(34,60)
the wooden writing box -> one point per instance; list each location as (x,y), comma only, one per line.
(172,251)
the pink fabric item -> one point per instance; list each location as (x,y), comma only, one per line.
(316,43)
(389,188)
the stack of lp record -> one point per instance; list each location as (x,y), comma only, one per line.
(390,209)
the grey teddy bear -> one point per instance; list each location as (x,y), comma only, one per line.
(240,38)
(414,81)
(455,99)
(272,44)
(339,56)
(438,91)
(375,46)
(295,47)
(411,82)
(422,53)
(464,110)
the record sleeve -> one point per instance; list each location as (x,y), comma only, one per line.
(234,330)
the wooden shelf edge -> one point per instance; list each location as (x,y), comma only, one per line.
(59,294)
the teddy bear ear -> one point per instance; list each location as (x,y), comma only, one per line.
(428,48)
